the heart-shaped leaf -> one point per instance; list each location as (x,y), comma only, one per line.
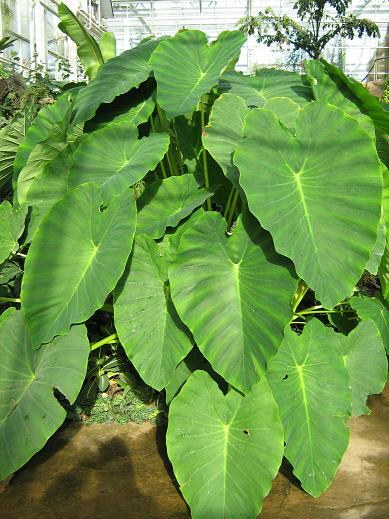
(375,309)
(234,294)
(327,89)
(118,76)
(186,67)
(310,383)
(29,411)
(132,108)
(76,277)
(11,228)
(115,159)
(165,203)
(225,450)
(291,187)
(285,109)
(10,138)
(365,359)
(51,120)
(265,85)
(147,323)
(224,131)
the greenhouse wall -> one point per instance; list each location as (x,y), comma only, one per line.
(136,20)
(39,42)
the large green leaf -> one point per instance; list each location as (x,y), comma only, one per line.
(368,103)
(325,88)
(29,411)
(375,309)
(165,203)
(299,188)
(186,67)
(265,85)
(192,362)
(311,386)
(365,359)
(378,250)
(224,131)
(115,159)
(48,121)
(133,108)
(285,109)
(225,450)
(52,182)
(118,76)
(147,323)
(234,294)
(107,45)
(66,280)
(10,138)
(87,48)
(11,228)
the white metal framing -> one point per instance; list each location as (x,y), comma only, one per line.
(37,39)
(133,20)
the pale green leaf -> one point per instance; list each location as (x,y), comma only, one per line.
(326,88)
(185,67)
(365,359)
(147,323)
(49,119)
(29,411)
(375,309)
(118,76)
(115,159)
(266,84)
(107,44)
(165,203)
(225,450)
(10,138)
(292,188)
(378,250)
(224,131)
(285,109)
(76,258)
(311,386)
(11,228)
(87,48)
(234,294)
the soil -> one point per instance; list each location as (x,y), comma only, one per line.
(121,471)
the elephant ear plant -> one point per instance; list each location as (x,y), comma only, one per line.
(234,226)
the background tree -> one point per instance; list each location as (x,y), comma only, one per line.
(318,26)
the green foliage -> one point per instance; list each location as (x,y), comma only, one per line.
(319,27)
(210,229)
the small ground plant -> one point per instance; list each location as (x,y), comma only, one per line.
(227,222)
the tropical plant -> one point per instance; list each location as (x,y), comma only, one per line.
(318,25)
(232,219)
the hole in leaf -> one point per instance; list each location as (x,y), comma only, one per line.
(286,376)
(246,432)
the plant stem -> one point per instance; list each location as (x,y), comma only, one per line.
(232,209)
(302,290)
(304,312)
(9,300)
(204,153)
(229,202)
(107,340)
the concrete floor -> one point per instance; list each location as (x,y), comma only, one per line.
(105,471)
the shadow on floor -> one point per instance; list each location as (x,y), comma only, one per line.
(94,472)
